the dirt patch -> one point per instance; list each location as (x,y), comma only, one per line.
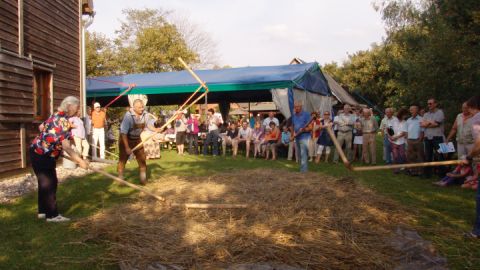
(307,221)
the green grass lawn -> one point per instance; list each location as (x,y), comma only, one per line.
(441,214)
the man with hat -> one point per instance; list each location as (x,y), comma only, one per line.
(99,122)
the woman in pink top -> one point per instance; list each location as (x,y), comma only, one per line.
(192,134)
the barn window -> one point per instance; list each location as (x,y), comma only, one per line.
(41,94)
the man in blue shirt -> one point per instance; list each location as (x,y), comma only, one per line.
(301,133)
(415,140)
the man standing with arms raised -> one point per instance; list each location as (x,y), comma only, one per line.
(99,121)
(301,133)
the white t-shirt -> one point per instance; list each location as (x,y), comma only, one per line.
(399,127)
(245,133)
(266,121)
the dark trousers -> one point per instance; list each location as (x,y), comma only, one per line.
(192,143)
(476,226)
(431,154)
(212,138)
(44,168)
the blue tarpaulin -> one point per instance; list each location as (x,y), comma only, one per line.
(306,77)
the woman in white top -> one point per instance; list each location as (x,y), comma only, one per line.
(397,139)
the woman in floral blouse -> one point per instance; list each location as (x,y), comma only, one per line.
(54,137)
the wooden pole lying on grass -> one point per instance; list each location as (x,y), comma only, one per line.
(162,199)
(347,164)
(408,165)
(108,152)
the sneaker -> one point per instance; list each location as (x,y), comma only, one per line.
(41,216)
(471,235)
(58,218)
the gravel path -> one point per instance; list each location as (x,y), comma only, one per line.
(11,188)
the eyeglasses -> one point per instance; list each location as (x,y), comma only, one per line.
(430,103)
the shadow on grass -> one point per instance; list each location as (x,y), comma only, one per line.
(30,243)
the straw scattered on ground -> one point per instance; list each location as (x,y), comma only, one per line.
(304,220)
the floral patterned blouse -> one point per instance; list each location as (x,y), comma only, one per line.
(55,129)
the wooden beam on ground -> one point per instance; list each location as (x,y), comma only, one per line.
(347,164)
(409,165)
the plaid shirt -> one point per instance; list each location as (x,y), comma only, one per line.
(55,129)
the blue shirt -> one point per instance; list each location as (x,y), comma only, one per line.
(413,127)
(300,120)
(285,137)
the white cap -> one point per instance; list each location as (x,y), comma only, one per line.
(96,105)
(184,111)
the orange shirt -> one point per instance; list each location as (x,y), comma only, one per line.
(98,119)
(273,135)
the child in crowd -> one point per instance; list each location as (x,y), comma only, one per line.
(258,138)
(457,176)
(271,139)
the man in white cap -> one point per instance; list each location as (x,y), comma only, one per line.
(99,121)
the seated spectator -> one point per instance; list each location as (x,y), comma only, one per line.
(258,139)
(229,138)
(472,180)
(169,136)
(324,140)
(271,140)
(457,176)
(286,142)
(245,134)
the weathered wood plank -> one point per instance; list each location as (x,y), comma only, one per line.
(8,77)
(16,118)
(40,17)
(16,70)
(27,103)
(13,109)
(11,149)
(11,157)
(15,61)
(13,89)
(9,166)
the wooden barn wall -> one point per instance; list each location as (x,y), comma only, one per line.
(9,25)
(10,149)
(16,89)
(52,35)
(51,43)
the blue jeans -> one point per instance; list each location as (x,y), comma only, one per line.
(212,137)
(302,146)
(476,226)
(387,150)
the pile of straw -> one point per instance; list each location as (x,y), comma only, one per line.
(305,220)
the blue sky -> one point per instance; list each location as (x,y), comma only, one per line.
(267,32)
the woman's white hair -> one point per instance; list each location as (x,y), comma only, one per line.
(70,100)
